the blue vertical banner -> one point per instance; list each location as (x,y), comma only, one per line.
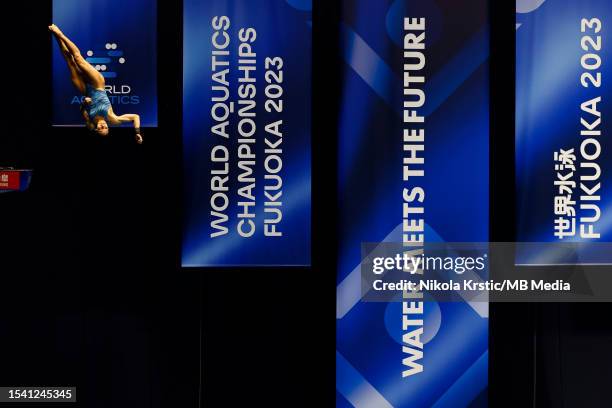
(246,132)
(119,38)
(563,166)
(413,166)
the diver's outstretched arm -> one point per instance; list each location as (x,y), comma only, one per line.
(128,117)
(85,115)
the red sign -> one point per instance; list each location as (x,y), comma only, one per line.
(9,180)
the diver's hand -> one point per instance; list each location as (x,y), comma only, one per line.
(87,100)
(138,136)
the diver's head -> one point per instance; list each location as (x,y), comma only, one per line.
(101,128)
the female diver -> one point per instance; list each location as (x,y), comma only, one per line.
(96,107)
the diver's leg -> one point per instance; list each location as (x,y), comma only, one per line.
(89,73)
(75,72)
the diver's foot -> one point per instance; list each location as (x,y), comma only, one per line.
(54,29)
(139,139)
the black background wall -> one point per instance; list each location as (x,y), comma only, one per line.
(511,348)
(92,294)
